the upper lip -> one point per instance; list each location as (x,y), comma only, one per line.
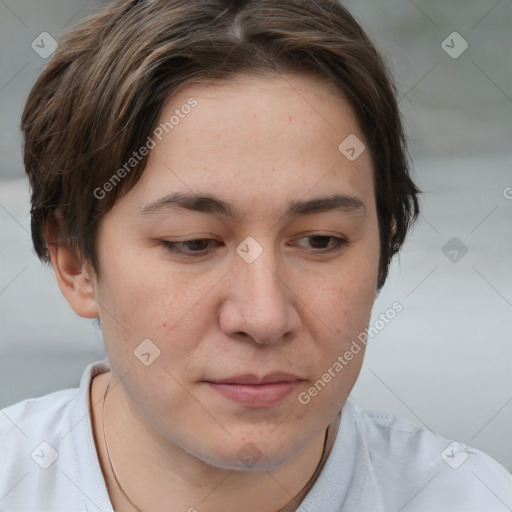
(254,380)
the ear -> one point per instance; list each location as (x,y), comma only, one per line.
(75,276)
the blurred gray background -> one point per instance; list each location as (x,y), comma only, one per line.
(445,361)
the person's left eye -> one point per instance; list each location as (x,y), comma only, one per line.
(324,243)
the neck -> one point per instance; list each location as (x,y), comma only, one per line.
(149,475)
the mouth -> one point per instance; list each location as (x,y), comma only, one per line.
(255,391)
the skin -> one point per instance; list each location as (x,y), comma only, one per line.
(258,143)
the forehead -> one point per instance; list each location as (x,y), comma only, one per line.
(272,103)
(254,140)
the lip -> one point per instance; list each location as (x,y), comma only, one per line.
(255,391)
(254,380)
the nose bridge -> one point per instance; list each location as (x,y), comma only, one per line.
(258,278)
(263,305)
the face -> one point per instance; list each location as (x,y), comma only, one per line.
(246,256)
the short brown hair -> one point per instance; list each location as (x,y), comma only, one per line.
(102,93)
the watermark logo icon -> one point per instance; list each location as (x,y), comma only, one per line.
(44,45)
(454,45)
(147,352)
(351,147)
(44,455)
(249,250)
(454,455)
(249,455)
(454,249)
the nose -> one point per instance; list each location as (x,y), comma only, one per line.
(260,305)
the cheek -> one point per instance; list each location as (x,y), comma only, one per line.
(149,300)
(344,298)
(336,312)
(138,288)
(336,317)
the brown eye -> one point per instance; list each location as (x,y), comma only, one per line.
(320,242)
(197,245)
(324,243)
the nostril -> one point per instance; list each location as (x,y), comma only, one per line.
(246,335)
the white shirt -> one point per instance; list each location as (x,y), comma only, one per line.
(379,462)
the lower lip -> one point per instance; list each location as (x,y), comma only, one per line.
(262,395)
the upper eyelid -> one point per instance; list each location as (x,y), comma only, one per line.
(340,241)
(314,235)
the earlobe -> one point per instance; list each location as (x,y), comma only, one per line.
(75,277)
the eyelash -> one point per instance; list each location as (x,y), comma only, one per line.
(175,247)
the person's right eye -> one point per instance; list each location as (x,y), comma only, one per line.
(196,247)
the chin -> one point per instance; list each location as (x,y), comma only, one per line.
(258,454)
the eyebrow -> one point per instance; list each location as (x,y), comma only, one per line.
(206,203)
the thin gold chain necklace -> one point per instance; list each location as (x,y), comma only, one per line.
(112,467)
(108,454)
